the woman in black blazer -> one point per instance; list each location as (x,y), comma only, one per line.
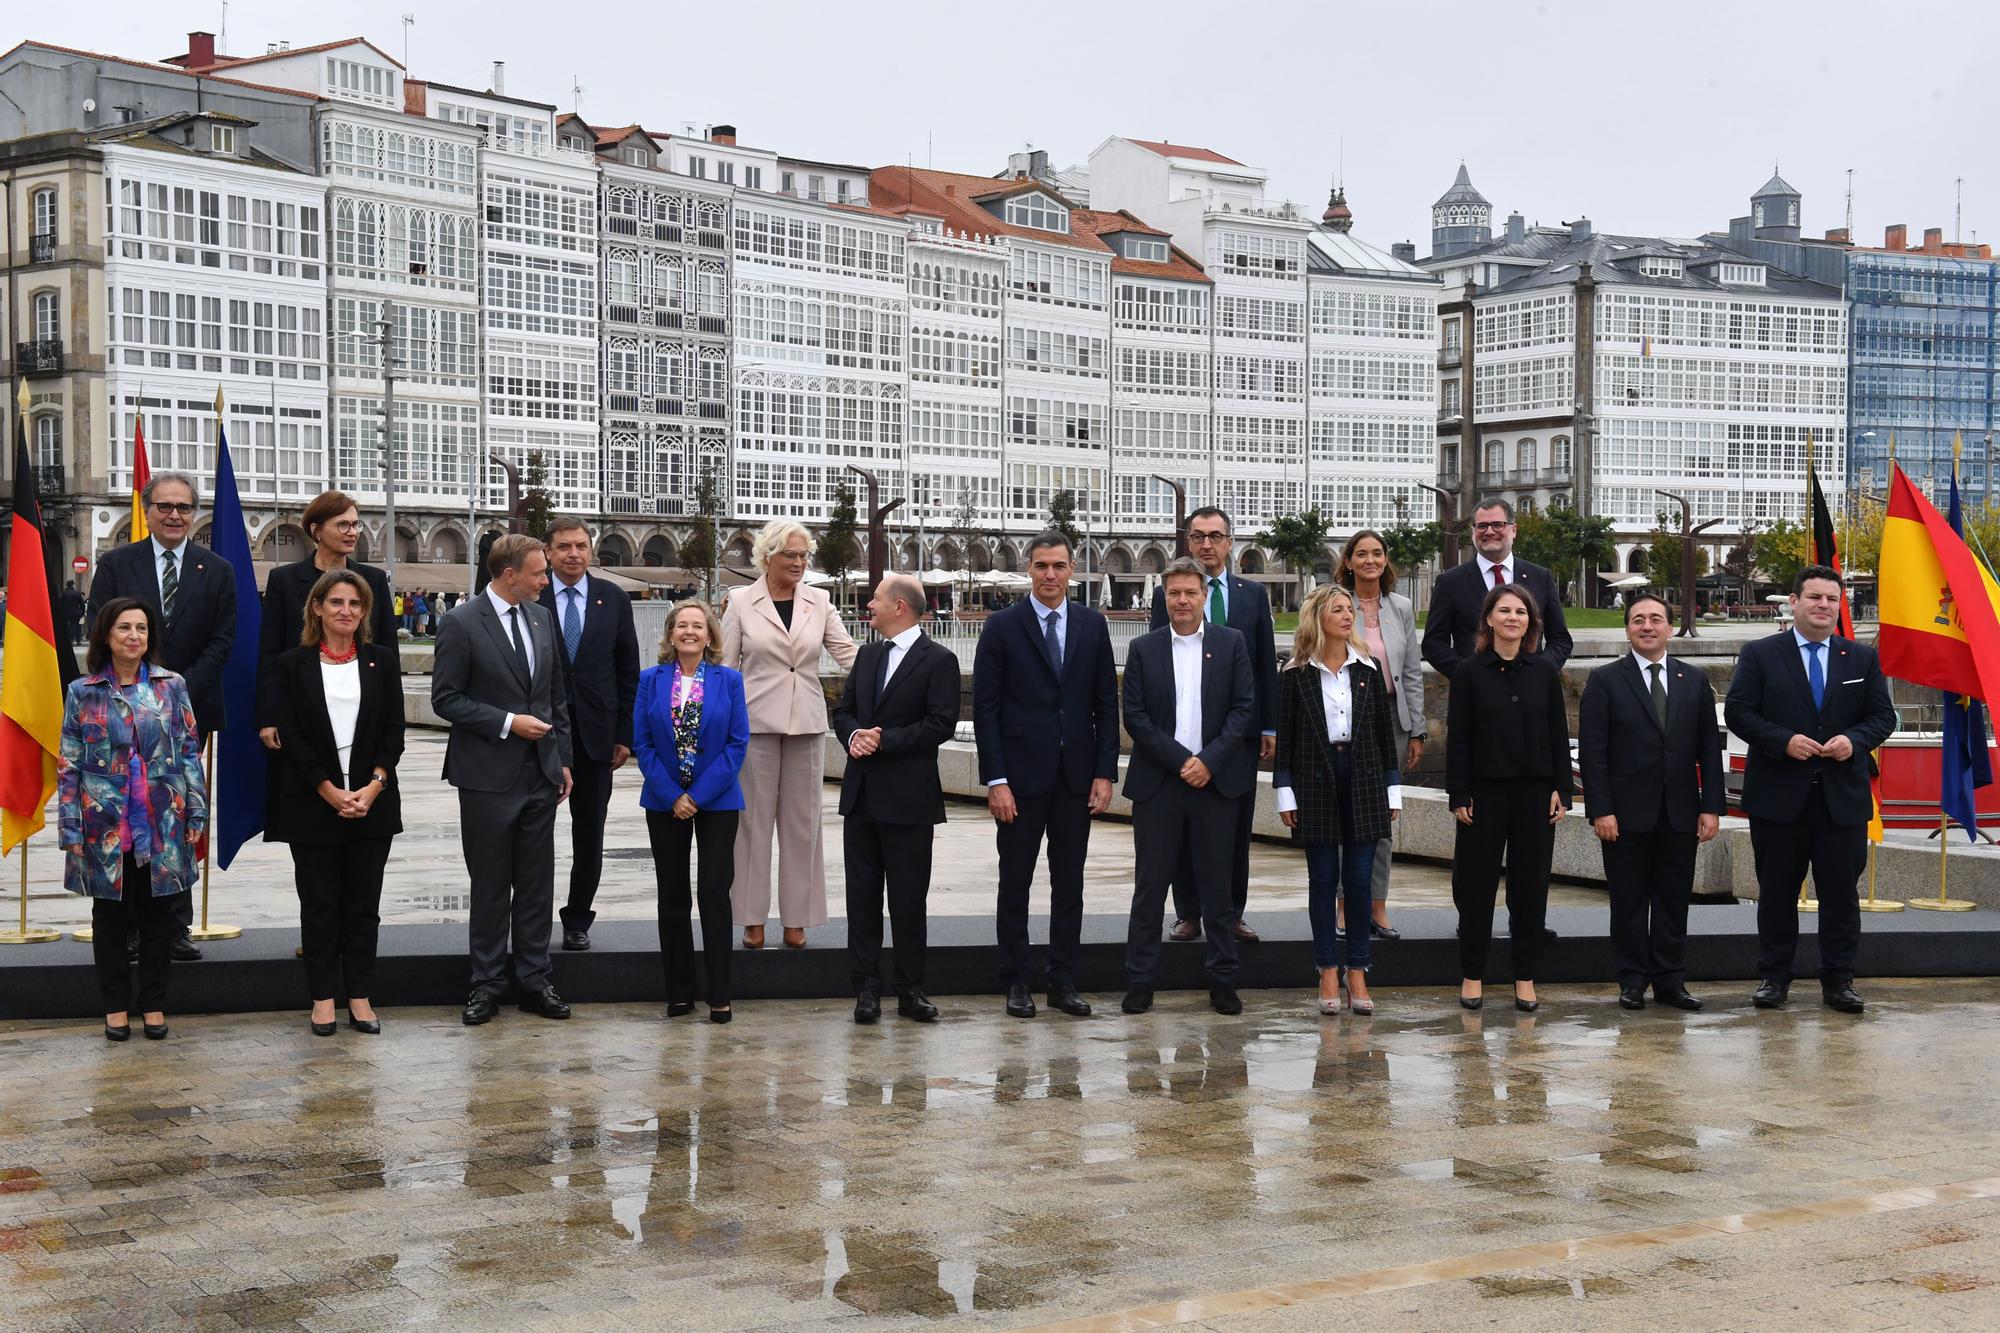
(1507,770)
(339,712)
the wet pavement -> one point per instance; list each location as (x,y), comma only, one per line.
(1583,1167)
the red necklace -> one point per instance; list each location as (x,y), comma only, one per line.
(331,659)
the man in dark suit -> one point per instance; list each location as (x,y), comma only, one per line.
(600,651)
(1453,620)
(497,679)
(1191,706)
(900,703)
(1045,711)
(1811,706)
(1246,608)
(1652,789)
(192,591)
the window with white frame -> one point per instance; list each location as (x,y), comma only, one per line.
(1661,266)
(48,316)
(353,81)
(44,210)
(222,139)
(1149,248)
(48,440)
(1037,211)
(1743,275)
(1245,254)
(1177,307)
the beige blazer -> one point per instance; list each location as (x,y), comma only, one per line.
(781,685)
(1403,644)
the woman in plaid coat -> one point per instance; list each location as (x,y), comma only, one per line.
(1337,783)
(131,806)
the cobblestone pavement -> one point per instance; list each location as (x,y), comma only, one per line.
(1583,1167)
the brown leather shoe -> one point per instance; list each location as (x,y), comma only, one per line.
(1185,929)
(795,937)
(1245,935)
(753,937)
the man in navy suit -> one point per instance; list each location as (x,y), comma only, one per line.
(1811,705)
(601,656)
(1453,621)
(1191,706)
(1246,608)
(1045,713)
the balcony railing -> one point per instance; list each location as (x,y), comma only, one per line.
(51,481)
(44,356)
(1449,358)
(41,247)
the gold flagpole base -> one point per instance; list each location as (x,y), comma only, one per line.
(29,936)
(1881,905)
(1808,904)
(207,933)
(1943,904)
(83,934)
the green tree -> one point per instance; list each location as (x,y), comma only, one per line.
(1565,541)
(1062,518)
(1409,544)
(1861,538)
(698,552)
(964,525)
(538,506)
(1663,559)
(1741,563)
(1783,549)
(1299,540)
(838,547)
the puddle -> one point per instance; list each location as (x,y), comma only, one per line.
(1576,1289)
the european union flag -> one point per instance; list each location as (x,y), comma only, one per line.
(238,813)
(1966,765)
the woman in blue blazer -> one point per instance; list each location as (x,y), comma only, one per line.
(689,731)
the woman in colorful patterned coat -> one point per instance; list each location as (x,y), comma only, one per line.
(131,808)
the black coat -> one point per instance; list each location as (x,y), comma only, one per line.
(1770,701)
(1228,713)
(1635,769)
(604,678)
(1451,626)
(310,757)
(198,641)
(918,712)
(1304,760)
(1506,723)
(1036,729)
(1250,616)
(285,594)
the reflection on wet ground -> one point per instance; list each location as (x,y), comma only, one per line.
(1428,1166)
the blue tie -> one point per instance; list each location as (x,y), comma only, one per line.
(1815,676)
(1053,640)
(572,623)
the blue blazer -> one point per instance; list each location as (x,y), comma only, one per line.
(725,735)
(1035,729)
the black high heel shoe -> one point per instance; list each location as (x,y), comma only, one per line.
(123,1032)
(371,1026)
(156,1032)
(326,1029)
(675,1008)
(1473,1003)
(718,1015)
(1526,1006)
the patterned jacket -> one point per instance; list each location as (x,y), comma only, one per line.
(1305,757)
(90,785)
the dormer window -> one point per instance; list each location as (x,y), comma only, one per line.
(1743,275)
(222,139)
(1660,266)
(1146,247)
(635,157)
(1038,211)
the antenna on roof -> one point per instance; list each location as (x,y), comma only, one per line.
(409,21)
(1340,176)
(1958,212)
(576,96)
(222,38)
(1850,203)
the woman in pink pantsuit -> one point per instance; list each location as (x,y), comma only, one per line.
(773,632)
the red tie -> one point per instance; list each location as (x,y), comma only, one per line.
(1499,576)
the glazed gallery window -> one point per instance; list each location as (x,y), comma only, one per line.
(1038,211)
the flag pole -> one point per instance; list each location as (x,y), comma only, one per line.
(24,935)
(1808,903)
(205,931)
(1944,902)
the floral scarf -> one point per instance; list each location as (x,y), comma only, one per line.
(687,721)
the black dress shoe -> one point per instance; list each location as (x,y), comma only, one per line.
(325,1029)
(1633,997)
(1382,932)
(867,1007)
(1225,1000)
(1138,1000)
(1770,995)
(1526,1006)
(1678,998)
(675,1008)
(1846,1000)
(185,952)
(123,1032)
(1548,932)
(369,1026)
(917,1007)
(1185,929)
(1067,1000)
(156,1031)
(718,1015)
(479,1008)
(546,1003)
(1020,1004)
(576,941)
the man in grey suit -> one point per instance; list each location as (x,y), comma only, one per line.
(498,680)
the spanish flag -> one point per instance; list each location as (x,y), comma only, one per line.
(1939,623)
(31,692)
(142,472)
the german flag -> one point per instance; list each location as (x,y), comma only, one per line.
(1826,544)
(31,693)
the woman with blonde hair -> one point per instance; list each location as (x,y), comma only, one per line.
(1337,782)
(773,633)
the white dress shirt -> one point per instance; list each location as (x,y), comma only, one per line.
(159,565)
(1646,673)
(505,610)
(1336,697)
(1187,690)
(342,683)
(899,648)
(1486,568)
(1806,658)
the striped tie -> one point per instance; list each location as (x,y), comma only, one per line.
(572,623)
(170,584)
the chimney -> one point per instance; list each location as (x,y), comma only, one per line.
(724,134)
(1405,251)
(1839,236)
(1896,236)
(1579,230)
(201,50)
(1517,227)
(1933,239)
(500,77)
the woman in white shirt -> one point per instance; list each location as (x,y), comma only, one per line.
(339,714)
(1337,781)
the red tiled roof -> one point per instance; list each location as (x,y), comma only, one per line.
(164,69)
(1179,266)
(225,62)
(1165,149)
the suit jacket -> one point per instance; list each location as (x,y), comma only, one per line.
(780,666)
(1402,649)
(1453,624)
(1036,728)
(604,679)
(918,712)
(1506,723)
(1250,616)
(90,784)
(1228,713)
(197,643)
(1304,761)
(476,681)
(285,595)
(1770,701)
(310,757)
(722,736)
(1638,770)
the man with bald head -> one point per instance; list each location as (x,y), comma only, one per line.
(900,703)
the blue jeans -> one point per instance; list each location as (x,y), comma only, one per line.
(1332,871)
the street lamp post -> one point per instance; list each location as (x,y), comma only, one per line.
(1449,519)
(1180,513)
(877,515)
(385,338)
(1689,529)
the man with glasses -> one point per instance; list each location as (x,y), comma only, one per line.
(193,594)
(1245,607)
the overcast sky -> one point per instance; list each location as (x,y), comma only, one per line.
(1647,118)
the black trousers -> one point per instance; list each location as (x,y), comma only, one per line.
(510,857)
(1179,827)
(1064,817)
(340,914)
(1188,904)
(1836,854)
(589,798)
(1651,879)
(1510,822)
(895,857)
(157,923)
(715,833)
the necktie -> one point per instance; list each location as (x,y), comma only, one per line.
(1218,610)
(882,676)
(1053,641)
(1815,674)
(170,583)
(520,648)
(1499,576)
(1659,670)
(572,623)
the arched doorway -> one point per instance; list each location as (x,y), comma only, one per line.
(363,548)
(1251,561)
(1006,559)
(1637,562)
(946,555)
(613,549)
(909,555)
(1152,561)
(1118,560)
(658,552)
(284,543)
(737,555)
(407,546)
(448,547)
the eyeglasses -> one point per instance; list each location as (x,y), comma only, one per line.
(173,507)
(1207,538)
(345,527)
(1500,526)
(790,555)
